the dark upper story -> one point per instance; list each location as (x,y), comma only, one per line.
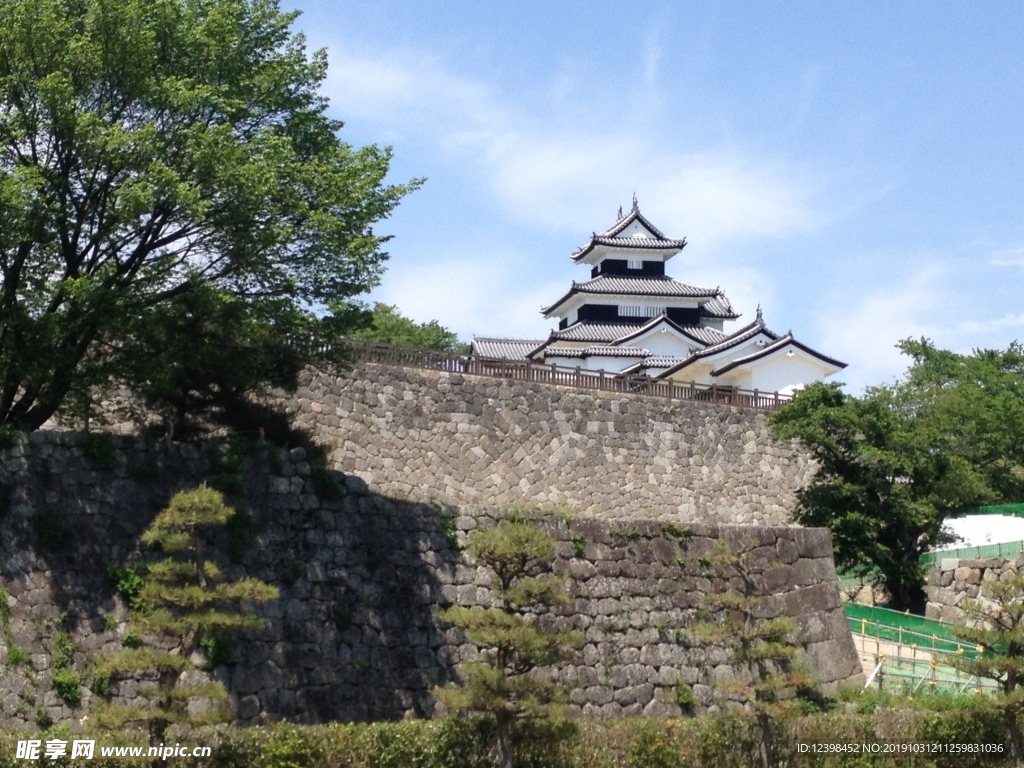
(629,268)
(612,313)
(631,234)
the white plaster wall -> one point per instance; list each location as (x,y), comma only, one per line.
(780,371)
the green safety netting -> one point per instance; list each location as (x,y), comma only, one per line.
(903,628)
(1007,549)
(1016,510)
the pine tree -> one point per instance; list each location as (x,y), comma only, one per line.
(996,627)
(764,650)
(503,683)
(185,602)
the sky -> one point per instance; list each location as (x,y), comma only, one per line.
(856,169)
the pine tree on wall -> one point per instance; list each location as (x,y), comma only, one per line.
(996,628)
(504,683)
(764,651)
(184,604)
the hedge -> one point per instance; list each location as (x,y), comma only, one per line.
(714,741)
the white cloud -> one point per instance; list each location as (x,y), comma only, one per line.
(994,325)
(563,167)
(1012,257)
(562,178)
(865,335)
(472,297)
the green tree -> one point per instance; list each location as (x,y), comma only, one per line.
(996,627)
(894,464)
(768,675)
(203,353)
(185,604)
(504,683)
(148,147)
(387,324)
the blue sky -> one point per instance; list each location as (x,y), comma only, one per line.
(855,168)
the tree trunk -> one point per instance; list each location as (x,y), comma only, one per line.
(906,597)
(1010,716)
(504,743)
(765,725)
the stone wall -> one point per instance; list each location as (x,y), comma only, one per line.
(448,437)
(954,580)
(355,633)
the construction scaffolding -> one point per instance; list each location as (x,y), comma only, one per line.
(904,653)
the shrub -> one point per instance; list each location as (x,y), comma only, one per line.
(99,450)
(66,683)
(53,534)
(326,483)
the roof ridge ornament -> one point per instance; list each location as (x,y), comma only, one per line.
(636,205)
(620,211)
(760,317)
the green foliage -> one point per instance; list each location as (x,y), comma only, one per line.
(191,601)
(716,741)
(624,535)
(326,483)
(16,656)
(451,533)
(65,680)
(67,683)
(342,617)
(98,448)
(99,681)
(217,646)
(43,718)
(292,569)
(8,438)
(579,544)
(128,582)
(995,624)
(53,534)
(681,534)
(385,323)
(895,463)
(240,528)
(766,648)
(61,650)
(177,248)
(503,683)
(229,484)
(141,470)
(684,696)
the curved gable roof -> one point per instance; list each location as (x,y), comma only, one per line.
(775,348)
(610,237)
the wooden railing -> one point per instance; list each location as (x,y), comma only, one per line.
(578,378)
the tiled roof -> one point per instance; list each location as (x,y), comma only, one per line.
(632,215)
(601,351)
(699,333)
(637,242)
(745,333)
(781,343)
(609,236)
(640,286)
(508,349)
(600,332)
(720,307)
(704,334)
(649,286)
(653,361)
